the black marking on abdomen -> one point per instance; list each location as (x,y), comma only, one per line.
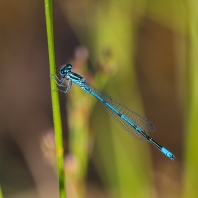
(104,102)
(120,114)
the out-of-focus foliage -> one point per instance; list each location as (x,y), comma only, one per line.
(191,125)
(1,196)
(113,28)
(144,54)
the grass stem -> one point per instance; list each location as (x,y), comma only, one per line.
(55,99)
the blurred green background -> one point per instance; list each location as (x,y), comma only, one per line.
(143,53)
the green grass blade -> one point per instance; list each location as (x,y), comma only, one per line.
(55,99)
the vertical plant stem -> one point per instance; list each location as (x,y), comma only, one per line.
(55,100)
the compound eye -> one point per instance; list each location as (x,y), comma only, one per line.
(69,66)
(61,72)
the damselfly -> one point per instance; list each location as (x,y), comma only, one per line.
(135,124)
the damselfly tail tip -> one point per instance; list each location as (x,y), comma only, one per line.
(167,153)
(172,157)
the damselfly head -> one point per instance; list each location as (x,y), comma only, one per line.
(65,69)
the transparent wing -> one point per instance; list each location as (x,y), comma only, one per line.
(137,119)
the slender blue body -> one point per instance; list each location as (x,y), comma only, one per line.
(135,124)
